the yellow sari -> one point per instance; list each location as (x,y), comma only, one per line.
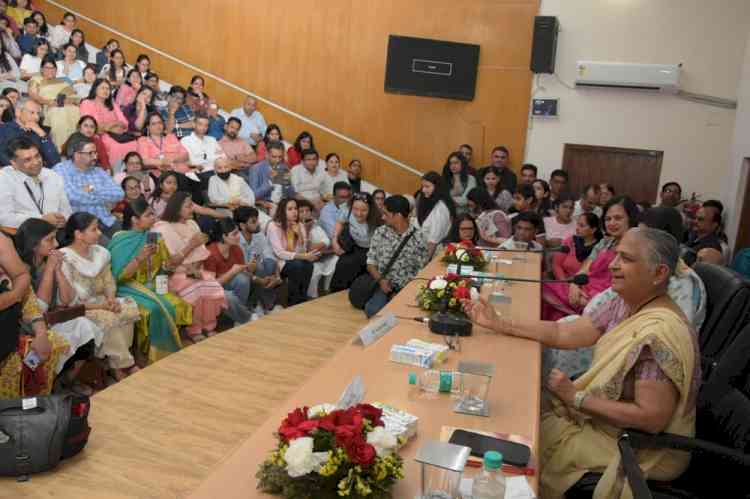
(61,120)
(11,381)
(573,443)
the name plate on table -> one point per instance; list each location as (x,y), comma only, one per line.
(376,329)
(465,269)
(353,395)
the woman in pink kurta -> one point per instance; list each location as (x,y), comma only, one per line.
(109,118)
(187,250)
(127,91)
(159,151)
(562,299)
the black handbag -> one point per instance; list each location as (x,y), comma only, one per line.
(122,138)
(11,319)
(37,432)
(364,286)
(345,239)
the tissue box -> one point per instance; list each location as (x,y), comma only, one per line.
(400,423)
(413,356)
(440,349)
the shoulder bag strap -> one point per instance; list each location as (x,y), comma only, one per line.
(397,252)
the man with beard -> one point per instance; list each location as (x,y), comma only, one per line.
(256,247)
(238,151)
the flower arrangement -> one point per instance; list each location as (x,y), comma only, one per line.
(444,293)
(325,453)
(465,253)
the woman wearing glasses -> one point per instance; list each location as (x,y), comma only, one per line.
(356,222)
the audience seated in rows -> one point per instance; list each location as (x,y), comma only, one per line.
(563,299)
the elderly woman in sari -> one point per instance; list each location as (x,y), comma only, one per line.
(138,256)
(58,99)
(645,375)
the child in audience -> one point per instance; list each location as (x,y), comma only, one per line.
(494,225)
(319,242)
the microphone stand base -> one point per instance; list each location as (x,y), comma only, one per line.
(449,324)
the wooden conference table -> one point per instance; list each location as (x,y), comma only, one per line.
(198,423)
(514,393)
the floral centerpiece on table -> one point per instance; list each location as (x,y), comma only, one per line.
(465,253)
(444,293)
(327,453)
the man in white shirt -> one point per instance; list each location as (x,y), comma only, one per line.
(588,202)
(307,178)
(29,191)
(253,124)
(203,149)
(228,191)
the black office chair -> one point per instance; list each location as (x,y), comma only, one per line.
(720,450)
(727,310)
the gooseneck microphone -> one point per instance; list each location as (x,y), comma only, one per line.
(578,280)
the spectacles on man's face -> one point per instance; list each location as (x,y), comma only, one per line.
(90,153)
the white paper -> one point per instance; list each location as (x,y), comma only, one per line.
(353,395)
(376,329)
(516,487)
(28,404)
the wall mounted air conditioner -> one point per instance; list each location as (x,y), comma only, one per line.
(660,77)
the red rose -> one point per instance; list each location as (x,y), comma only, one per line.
(372,413)
(466,243)
(461,293)
(475,252)
(360,452)
(450,249)
(308,426)
(288,433)
(327,423)
(296,417)
(451,277)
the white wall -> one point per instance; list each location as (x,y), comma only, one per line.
(735,179)
(708,37)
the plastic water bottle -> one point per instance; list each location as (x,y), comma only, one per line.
(491,483)
(434,381)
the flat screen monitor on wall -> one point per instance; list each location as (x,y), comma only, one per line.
(432,68)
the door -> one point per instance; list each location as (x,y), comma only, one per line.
(634,172)
(743,234)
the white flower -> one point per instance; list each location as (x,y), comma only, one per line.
(383,441)
(438,284)
(299,457)
(474,294)
(462,255)
(320,409)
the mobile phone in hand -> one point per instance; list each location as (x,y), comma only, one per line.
(152,238)
(32,360)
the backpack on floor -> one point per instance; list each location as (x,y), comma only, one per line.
(37,432)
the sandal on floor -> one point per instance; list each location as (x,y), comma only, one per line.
(197,338)
(210,334)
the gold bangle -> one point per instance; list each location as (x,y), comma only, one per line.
(579,399)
